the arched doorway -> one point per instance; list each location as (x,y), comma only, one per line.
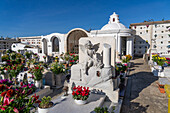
(73,40)
(55,44)
(45,46)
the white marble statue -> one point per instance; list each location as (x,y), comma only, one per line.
(90,56)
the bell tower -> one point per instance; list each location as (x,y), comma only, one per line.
(114,18)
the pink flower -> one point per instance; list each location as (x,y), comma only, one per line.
(7,101)
(2,108)
(16,110)
(125,64)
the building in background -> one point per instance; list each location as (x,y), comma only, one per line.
(57,43)
(5,43)
(33,40)
(151,35)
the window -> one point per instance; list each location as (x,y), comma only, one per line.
(162,31)
(146,31)
(33,42)
(161,47)
(168,41)
(38,42)
(162,36)
(161,42)
(140,27)
(139,47)
(155,31)
(23,40)
(140,32)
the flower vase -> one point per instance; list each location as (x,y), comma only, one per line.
(160,68)
(80,102)
(155,63)
(38,83)
(44,110)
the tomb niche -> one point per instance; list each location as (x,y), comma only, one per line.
(73,40)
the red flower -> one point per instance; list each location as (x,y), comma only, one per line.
(14,68)
(35,97)
(21,83)
(6,69)
(3,93)
(73,93)
(83,93)
(36,67)
(74,88)
(1,87)
(10,93)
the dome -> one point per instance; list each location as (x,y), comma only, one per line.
(113,23)
(113,26)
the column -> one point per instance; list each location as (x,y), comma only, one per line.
(119,47)
(106,55)
(129,46)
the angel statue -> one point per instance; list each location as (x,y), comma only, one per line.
(90,56)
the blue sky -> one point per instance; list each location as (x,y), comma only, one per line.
(42,17)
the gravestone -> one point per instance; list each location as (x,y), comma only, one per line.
(96,66)
(49,78)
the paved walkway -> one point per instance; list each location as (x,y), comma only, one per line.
(142,93)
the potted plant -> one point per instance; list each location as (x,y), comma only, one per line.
(58,70)
(103,110)
(45,105)
(160,62)
(161,88)
(37,72)
(80,94)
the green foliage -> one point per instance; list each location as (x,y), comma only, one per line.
(27,54)
(103,110)
(45,102)
(57,68)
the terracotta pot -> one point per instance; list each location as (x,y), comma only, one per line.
(161,88)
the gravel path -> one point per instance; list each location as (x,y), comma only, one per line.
(142,93)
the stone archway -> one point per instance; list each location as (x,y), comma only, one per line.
(73,40)
(55,44)
(45,46)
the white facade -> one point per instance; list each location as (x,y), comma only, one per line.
(123,35)
(33,40)
(22,47)
(157,34)
(55,44)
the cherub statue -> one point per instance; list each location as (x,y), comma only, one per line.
(90,56)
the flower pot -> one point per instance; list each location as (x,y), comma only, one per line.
(44,110)
(155,63)
(160,68)
(70,65)
(161,88)
(80,102)
(38,84)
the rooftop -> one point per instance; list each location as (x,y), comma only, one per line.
(149,23)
